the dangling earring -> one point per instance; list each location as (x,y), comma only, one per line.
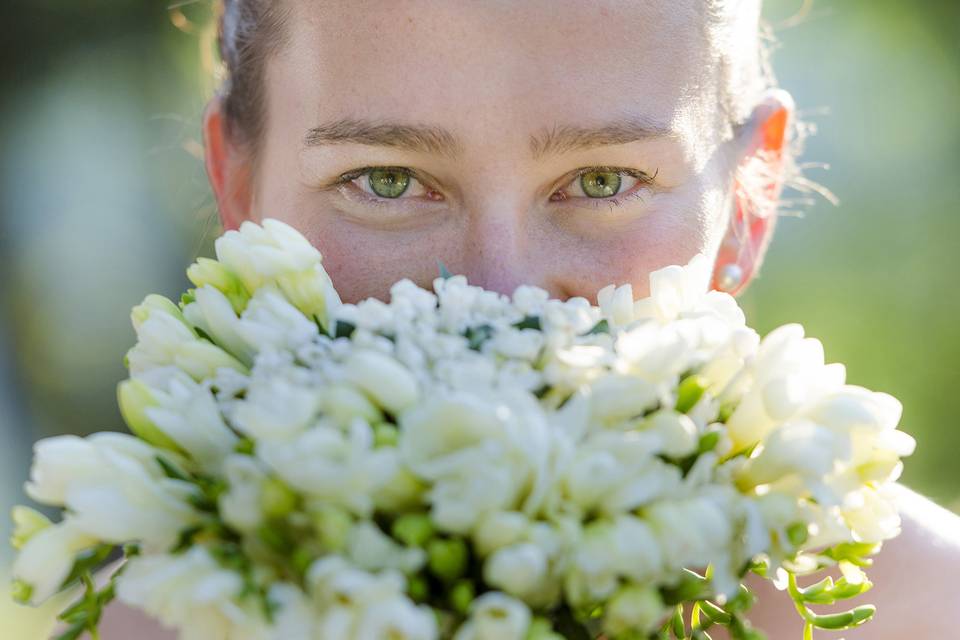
(730,277)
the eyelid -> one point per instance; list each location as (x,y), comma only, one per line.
(641,176)
(644,182)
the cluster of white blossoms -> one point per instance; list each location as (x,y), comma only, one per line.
(458,463)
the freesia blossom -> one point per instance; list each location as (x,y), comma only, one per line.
(114,488)
(495,616)
(455,463)
(47,557)
(192,593)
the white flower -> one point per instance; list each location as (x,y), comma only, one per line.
(206,272)
(383,378)
(694,531)
(522,344)
(788,373)
(295,617)
(616,472)
(495,616)
(369,548)
(519,570)
(617,304)
(658,354)
(187,413)
(276,253)
(279,403)
(257,254)
(240,505)
(676,289)
(47,558)
(871,515)
(269,321)
(114,488)
(615,398)
(625,548)
(395,618)
(326,463)
(677,432)
(164,338)
(214,314)
(800,447)
(360,605)
(190,592)
(499,529)
(342,403)
(480,453)
(634,608)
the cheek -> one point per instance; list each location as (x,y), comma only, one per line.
(678,226)
(365,262)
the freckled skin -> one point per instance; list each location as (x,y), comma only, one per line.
(495,73)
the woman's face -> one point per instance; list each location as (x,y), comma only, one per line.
(399,134)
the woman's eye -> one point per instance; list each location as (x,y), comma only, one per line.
(600,184)
(386,183)
(604,183)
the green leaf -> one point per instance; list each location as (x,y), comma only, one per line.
(601,327)
(73,632)
(844,620)
(690,391)
(676,623)
(529,322)
(88,561)
(170,470)
(476,336)
(444,272)
(708,442)
(344,329)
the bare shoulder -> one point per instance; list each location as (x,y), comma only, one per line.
(915,578)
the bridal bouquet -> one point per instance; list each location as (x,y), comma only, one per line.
(461,464)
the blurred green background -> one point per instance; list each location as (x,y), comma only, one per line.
(103,198)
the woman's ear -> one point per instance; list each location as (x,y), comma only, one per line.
(758,183)
(228,167)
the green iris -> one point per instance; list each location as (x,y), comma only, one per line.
(600,184)
(388,183)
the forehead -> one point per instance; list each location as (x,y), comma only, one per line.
(494,70)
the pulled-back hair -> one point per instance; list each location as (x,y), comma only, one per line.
(250,31)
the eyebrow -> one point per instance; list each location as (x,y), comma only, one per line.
(437,140)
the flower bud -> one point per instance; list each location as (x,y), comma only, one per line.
(27,522)
(690,391)
(413,529)
(385,435)
(518,570)
(677,432)
(206,271)
(499,529)
(135,397)
(152,304)
(343,403)
(447,558)
(277,499)
(462,595)
(332,525)
(382,378)
(634,608)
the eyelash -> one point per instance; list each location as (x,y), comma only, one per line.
(644,180)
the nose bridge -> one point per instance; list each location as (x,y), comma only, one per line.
(496,245)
